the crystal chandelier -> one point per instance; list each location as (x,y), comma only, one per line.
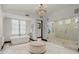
(41,10)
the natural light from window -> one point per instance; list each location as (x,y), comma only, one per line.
(18,27)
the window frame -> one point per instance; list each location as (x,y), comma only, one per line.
(19,27)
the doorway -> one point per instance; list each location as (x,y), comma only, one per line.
(39,29)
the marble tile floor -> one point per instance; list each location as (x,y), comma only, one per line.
(24,49)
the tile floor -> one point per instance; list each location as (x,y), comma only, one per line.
(24,49)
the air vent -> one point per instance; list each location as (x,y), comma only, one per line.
(76,11)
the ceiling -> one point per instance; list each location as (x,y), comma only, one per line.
(23,9)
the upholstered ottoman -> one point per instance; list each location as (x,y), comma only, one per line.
(37,47)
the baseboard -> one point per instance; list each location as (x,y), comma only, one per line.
(44,40)
(5,43)
(39,37)
(33,40)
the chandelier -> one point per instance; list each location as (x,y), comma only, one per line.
(41,10)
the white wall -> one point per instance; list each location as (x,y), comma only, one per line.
(1,22)
(28,25)
(45,28)
(7,28)
(64,13)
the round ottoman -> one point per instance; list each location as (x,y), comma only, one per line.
(37,47)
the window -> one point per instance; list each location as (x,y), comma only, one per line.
(15,27)
(60,22)
(76,20)
(68,21)
(22,27)
(18,27)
